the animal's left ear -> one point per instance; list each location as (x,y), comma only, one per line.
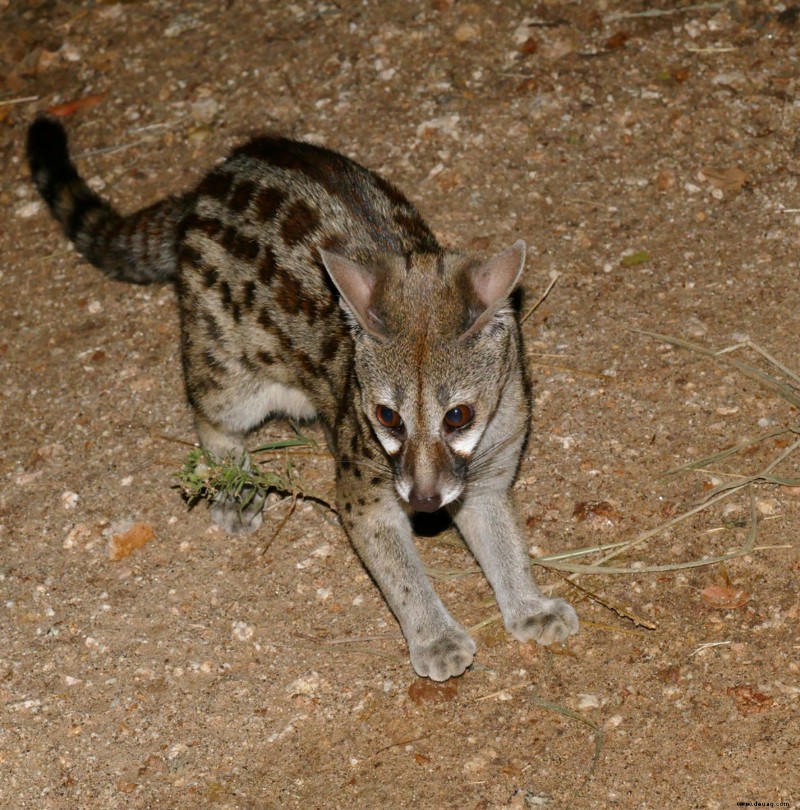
(491,283)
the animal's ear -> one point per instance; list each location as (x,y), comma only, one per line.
(357,286)
(490,283)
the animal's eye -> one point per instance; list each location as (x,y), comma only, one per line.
(459,417)
(388,418)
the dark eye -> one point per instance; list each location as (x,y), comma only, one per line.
(388,418)
(459,417)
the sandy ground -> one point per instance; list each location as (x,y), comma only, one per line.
(651,160)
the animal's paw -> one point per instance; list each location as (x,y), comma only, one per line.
(543,620)
(445,657)
(238,515)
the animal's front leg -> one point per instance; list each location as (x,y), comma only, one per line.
(381,533)
(236,515)
(490,526)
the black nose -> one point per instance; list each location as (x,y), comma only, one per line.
(424,501)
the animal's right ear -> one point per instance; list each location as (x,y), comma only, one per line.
(357,286)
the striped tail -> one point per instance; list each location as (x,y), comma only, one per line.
(139,248)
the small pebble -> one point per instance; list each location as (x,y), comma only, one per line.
(69,500)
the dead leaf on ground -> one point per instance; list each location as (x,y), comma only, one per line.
(637,257)
(666,180)
(724,598)
(749,700)
(680,74)
(731,179)
(424,690)
(617,40)
(70,107)
(123,544)
(596,510)
(670,674)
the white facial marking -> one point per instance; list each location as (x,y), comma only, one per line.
(390,444)
(450,492)
(403,489)
(464,443)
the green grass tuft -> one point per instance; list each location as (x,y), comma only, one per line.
(202,477)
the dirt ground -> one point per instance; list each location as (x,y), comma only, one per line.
(648,152)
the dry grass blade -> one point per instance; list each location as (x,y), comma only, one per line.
(765,476)
(786,390)
(662,12)
(495,617)
(599,735)
(361,639)
(541,298)
(278,530)
(578,552)
(602,568)
(449,574)
(782,389)
(723,454)
(558,709)
(749,344)
(618,609)
(610,628)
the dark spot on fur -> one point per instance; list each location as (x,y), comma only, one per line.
(344,462)
(361,502)
(288,293)
(348,507)
(413,224)
(210,276)
(191,256)
(267,267)
(356,472)
(248,294)
(267,202)
(392,193)
(368,454)
(287,344)
(306,363)
(238,245)
(247,363)
(213,362)
(216,185)
(299,222)
(241,195)
(212,327)
(321,165)
(209,226)
(265,357)
(225,294)
(375,480)
(329,348)
(265,319)
(332,243)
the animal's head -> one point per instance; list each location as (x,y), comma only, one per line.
(435,339)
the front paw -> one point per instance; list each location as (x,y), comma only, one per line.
(444,657)
(238,514)
(544,620)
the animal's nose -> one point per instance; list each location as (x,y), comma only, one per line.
(424,500)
